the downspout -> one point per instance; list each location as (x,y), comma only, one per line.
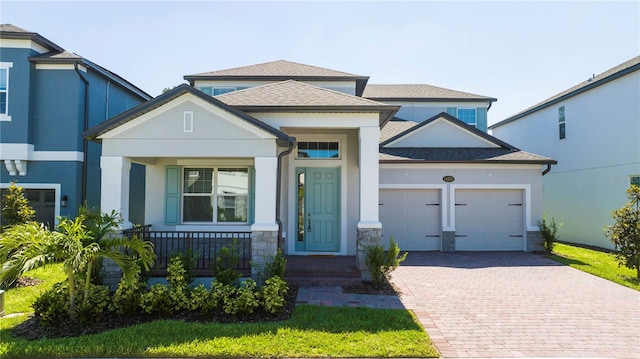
(292,144)
(85,143)
(547,169)
(489,107)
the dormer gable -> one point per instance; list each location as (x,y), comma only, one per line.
(444,131)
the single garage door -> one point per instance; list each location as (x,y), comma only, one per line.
(411,217)
(489,220)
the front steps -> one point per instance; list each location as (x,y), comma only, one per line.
(314,271)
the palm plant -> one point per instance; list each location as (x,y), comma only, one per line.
(29,246)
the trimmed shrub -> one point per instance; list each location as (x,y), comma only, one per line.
(381,263)
(273,293)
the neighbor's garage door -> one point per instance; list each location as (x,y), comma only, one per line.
(489,220)
(411,217)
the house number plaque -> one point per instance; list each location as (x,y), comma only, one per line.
(448,178)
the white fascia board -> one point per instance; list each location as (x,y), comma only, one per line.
(310,119)
(59,67)
(23,44)
(25,151)
(461,166)
(187,97)
(457,128)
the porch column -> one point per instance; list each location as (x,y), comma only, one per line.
(264,231)
(114,193)
(369,226)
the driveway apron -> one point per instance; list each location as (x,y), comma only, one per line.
(515,304)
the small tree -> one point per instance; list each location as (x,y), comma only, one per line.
(549,232)
(15,207)
(625,232)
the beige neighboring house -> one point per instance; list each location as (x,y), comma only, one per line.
(287,155)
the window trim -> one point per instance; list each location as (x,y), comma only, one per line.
(214,193)
(6,66)
(338,142)
(475,115)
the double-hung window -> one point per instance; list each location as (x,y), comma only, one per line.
(206,188)
(4,91)
(215,91)
(468,116)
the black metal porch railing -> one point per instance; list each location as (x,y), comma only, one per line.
(204,246)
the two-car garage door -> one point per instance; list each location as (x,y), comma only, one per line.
(485,219)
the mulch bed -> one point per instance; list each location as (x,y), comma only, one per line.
(33,329)
(385,288)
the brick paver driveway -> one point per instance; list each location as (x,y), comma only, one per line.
(518,305)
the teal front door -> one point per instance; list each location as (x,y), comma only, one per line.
(318,209)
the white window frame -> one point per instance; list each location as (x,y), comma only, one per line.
(562,123)
(214,193)
(321,158)
(6,66)
(475,115)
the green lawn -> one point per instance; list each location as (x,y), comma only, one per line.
(312,331)
(595,262)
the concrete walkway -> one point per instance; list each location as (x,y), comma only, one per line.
(498,305)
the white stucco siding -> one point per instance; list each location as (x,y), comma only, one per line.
(315,120)
(188,148)
(441,134)
(595,160)
(430,176)
(348,87)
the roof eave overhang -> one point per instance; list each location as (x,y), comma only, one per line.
(104,73)
(191,78)
(433,99)
(33,36)
(511,162)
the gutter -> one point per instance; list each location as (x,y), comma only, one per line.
(85,143)
(547,170)
(292,142)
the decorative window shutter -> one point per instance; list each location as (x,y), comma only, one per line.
(172,195)
(453,111)
(252,194)
(481,118)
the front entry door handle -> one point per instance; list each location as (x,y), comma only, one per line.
(309,222)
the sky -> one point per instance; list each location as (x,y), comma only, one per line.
(518,52)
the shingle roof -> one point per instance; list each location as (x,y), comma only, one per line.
(292,93)
(595,81)
(280,68)
(460,155)
(63,56)
(394,128)
(157,102)
(10,31)
(419,92)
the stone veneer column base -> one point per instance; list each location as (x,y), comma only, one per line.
(534,242)
(111,272)
(448,241)
(264,245)
(366,237)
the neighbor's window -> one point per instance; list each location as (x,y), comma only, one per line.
(4,90)
(225,189)
(561,123)
(635,180)
(215,91)
(467,115)
(320,150)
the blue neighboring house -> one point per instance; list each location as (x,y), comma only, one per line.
(48,97)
